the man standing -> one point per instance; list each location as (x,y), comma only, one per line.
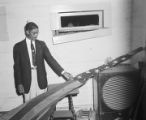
(29,67)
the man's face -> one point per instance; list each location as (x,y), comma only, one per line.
(33,34)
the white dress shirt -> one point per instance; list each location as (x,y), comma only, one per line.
(34,89)
(28,42)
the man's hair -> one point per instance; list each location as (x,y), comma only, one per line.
(29,26)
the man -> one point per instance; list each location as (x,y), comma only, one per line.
(29,67)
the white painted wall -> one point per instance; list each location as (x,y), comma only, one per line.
(139,28)
(75,57)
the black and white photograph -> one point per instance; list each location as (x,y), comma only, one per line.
(72,60)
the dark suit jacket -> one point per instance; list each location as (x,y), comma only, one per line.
(22,67)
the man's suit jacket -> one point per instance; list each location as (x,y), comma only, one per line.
(22,66)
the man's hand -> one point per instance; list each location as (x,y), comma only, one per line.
(67,76)
(20,89)
(108,60)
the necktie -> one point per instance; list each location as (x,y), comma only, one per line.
(33,54)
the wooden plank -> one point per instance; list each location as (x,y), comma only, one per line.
(51,99)
(73,93)
(45,114)
(41,103)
